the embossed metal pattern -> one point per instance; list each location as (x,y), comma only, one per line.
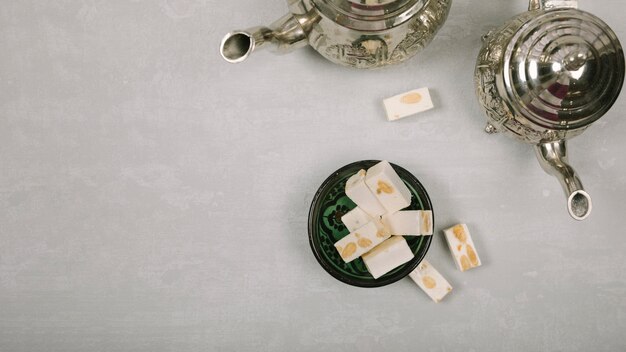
(526,81)
(347,32)
(347,47)
(490,87)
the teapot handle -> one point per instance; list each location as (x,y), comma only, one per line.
(551,4)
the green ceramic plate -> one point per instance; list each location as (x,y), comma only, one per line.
(325,227)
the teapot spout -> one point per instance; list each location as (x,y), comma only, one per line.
(286,34)
(553,159)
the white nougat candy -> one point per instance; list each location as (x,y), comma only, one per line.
(430,281)
(360,194)
(390,190)
(407,104)
(426,222)
(360,241)
(387,256)
(403,223)
(409,222)
(355,219)
(462,247)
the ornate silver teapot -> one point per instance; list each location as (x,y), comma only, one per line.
(357,33)
(544,77)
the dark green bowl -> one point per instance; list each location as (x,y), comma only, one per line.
(325,227)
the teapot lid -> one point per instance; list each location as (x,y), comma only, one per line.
(370,15)
(564,69)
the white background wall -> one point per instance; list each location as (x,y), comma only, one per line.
(155,198)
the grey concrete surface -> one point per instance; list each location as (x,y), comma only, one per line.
(155,198)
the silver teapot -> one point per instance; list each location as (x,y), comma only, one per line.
(356,33)
(544,77)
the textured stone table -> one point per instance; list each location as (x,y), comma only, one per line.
(155,198)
